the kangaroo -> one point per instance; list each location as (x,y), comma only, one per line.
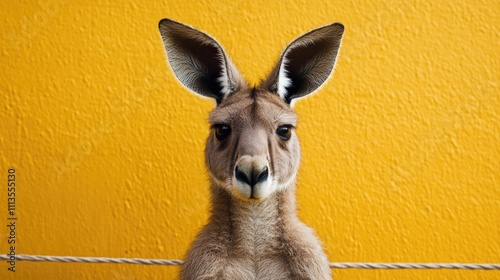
(252,154)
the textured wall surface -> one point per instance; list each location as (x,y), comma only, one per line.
(401,148)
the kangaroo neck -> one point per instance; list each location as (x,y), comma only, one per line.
(255,227)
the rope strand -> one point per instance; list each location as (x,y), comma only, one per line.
(337,265)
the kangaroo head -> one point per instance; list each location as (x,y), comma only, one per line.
(252,150)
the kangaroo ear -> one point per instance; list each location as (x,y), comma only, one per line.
(306,63)
(199,62)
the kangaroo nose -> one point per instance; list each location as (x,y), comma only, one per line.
(251,176)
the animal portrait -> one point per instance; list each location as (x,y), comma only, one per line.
(252,155)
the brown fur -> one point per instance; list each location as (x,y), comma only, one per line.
(253,231)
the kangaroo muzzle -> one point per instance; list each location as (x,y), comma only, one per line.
(251,174)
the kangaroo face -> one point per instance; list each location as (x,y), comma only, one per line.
(252,150)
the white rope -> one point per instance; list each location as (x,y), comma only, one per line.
(339,265)
(468,266)
(67,259)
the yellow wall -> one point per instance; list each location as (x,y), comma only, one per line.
(401,149)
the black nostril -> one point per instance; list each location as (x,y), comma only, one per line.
(254,177)
(241,176)
(262,175)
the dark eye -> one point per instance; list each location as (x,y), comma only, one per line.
(222,131)
(284,132)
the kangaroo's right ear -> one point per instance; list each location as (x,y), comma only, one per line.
(306,63)
(199,61)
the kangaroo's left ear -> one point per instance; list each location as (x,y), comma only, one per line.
(306,63)
(199,62)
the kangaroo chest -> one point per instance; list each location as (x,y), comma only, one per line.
(257,247)
(256,229)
